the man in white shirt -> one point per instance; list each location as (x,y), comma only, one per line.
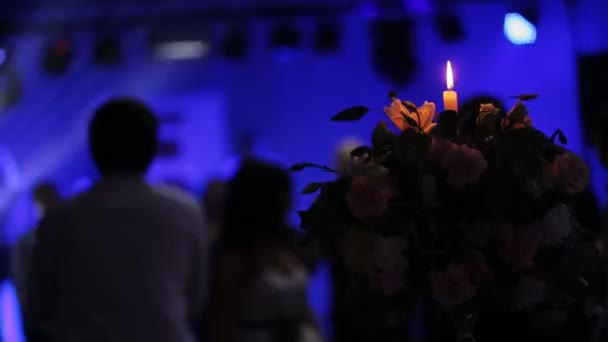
(123,261)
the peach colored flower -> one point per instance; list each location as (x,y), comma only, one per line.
(526,123)
(465,165)
(572,173)
(451,286)
(478,269)
(487,108)
(517,117)
(556,225)
(426,114)
(438,149)
(520,246)
(487,111)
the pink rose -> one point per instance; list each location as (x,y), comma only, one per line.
(465,165)
(368,197)
(572,173)
(377,172)
(388,258)
(438,149)
(391,282)
(452,286)
(556,225)
(477,268)
(520,246)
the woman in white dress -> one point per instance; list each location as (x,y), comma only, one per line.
(260,289)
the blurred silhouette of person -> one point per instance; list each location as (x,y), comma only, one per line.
(213,206)
(601,141)
(5,266)
(260,290)
(46,197)
(178,184)
(123,261)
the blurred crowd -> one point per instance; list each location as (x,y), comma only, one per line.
(130,261)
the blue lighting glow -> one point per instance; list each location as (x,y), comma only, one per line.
(519,30)
(10,320)
(3,56)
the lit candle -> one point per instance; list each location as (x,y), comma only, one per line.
(450,98)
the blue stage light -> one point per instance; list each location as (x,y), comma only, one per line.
(519,30)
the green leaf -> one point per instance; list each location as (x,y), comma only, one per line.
(300,166)
(382,137)
(351,114)
(410,106)
(525,97)
(488,123)
(561,137)
(410,146)
(518,113)
(410,120)
(312,188)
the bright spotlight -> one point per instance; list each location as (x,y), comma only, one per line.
(519,30)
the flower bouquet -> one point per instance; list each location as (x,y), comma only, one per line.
(438,224)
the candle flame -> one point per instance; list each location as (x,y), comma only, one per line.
(449,76)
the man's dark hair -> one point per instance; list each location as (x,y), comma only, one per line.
(46,194)
(123,137)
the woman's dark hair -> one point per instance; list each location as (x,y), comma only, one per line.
(256,205)
(213,200)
